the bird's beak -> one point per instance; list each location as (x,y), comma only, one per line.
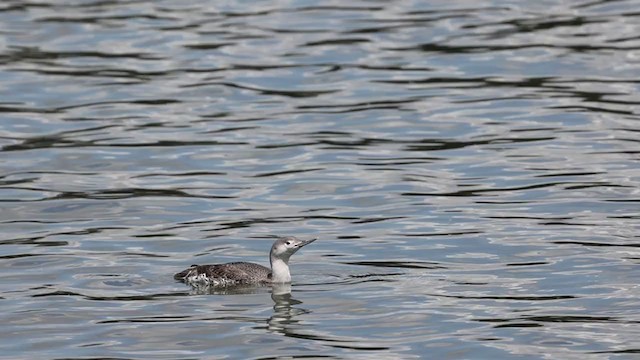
(307,242)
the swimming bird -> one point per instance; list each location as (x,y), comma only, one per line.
(246,273)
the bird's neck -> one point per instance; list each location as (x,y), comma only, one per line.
(280,271)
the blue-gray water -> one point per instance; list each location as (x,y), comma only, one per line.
(471,170)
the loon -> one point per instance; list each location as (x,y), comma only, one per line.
(246,273)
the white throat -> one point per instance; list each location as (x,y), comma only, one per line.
(280,271)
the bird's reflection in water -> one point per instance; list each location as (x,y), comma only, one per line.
(284,313)
(228,290)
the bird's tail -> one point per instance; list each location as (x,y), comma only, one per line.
(184,273)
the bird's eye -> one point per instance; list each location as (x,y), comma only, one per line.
(288,243)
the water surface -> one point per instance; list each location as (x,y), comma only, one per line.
(471,171)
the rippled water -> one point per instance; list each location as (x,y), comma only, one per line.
(471,170)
